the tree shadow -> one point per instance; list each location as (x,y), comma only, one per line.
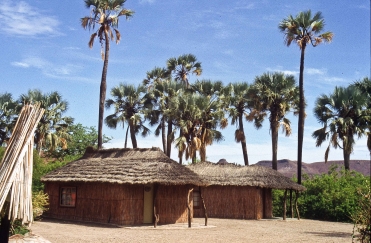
(331,234)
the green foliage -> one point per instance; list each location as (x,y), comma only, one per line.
(16,227)
(40,201)
(332,196)
(362,215)
(81,137)
(40,168)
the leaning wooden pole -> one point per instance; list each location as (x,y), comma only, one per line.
(16,170)
(189,208)
(204,205)
(156,216)
(291,205)
(296,204)
(284,205)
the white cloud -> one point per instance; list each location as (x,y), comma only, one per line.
(315,71)
(50,69)
(286,72)
(146,1)
(20,64)
(21,19)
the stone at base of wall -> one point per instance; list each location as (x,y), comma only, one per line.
(27,238)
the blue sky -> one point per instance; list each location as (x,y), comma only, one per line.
(44,47)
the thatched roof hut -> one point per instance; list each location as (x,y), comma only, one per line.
(235,191)
(121,186)
(236,175)
(125,166)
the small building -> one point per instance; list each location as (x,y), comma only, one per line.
(238,192)
(123,187)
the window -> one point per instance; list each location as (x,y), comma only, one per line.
(196,198)
(68,196)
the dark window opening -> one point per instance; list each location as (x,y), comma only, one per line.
(68,197)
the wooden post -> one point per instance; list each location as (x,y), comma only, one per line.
(4,229)
(156,217)
(291,205)
(284,205)
(204,205)
(296,204)
(189,208)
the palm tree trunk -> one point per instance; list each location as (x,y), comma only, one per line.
(169,137)
(163,134)
(301,112)
(126,137)
(346,155)
(274,129)
(243,141)
(132,134)
(102,91)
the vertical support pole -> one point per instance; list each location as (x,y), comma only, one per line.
(156,217)
(204,205)
(4,229)
(291,205)
(284,205)
(189,208)
(296,204)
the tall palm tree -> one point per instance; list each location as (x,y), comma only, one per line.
(104,13)
(183,66)
(128,103)
(343,115)
(303,29)
(52,130)
(198,117)
(158,102)
(8,115)
(365,86)
(236,96)
(212,113)
(275,94)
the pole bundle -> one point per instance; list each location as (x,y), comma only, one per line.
(17,164)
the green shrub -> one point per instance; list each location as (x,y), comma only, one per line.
(332,196)
(361,217)
(40,201)
(16,227)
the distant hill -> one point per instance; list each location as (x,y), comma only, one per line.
(289,167)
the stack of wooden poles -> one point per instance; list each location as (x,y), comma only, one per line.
(17,164)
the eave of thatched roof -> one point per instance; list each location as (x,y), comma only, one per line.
(125,166)
(235,175)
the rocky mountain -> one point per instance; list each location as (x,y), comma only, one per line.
(289,167)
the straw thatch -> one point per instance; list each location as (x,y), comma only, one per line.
(235,175)
(125,166)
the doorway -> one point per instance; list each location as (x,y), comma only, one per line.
(148,204)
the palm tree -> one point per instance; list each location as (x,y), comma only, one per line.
(236,97)
(8,115)
(128,103)
(183,66)
(303,29)
(211,113)
(198,115)
(158,100)
(52,130)
(106,14)
(343,114)
(276,94)
(365,86)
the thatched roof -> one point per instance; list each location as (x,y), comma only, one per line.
(235,175)
(125,166)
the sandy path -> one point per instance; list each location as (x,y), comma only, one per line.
(220,230)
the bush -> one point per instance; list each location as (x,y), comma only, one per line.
(362,216)
(332,196)
(40,201)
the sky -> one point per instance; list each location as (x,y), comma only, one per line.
(44,47)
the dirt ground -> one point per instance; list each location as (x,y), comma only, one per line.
(218,230)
